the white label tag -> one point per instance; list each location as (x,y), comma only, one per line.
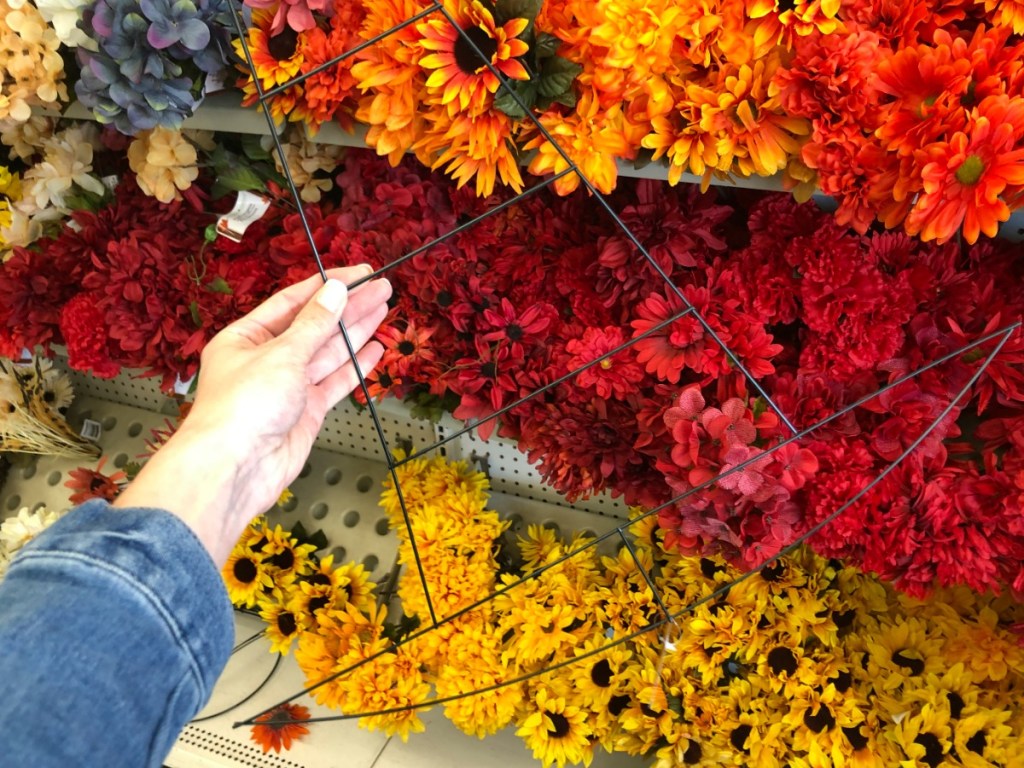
(110,182)
(183,387)
(249,207)
(91,430)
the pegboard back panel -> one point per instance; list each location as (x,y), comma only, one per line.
(511,473)
(349,430)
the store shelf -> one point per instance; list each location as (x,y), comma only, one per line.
(337,492)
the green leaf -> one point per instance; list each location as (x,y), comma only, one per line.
(567,99)
(557,76)
(253,149)
(239,178)
(507,103)
(219,285)
(318,539)
(131,469)
(517,9)
(546,45)
(210,233)
(193,308)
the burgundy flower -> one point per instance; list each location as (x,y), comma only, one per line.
(86,336)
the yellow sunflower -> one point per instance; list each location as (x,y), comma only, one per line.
(277,59)
(458,75)
(286,558)
(283,624)
(556,731)
(246,577)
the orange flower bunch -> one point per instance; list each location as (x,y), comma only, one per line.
(278,58)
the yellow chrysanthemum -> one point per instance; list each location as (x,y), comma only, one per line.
(591,137)
(472,147)
(1006,13)
(740,113)
(389,75)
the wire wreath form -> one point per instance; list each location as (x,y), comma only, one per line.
(1000,337)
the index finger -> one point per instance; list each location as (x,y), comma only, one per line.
(276,314)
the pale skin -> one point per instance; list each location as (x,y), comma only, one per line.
(266,384)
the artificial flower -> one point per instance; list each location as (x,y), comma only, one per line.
(33,68)
(94,483)
(164,162)
(280,727)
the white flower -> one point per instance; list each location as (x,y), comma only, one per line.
(17,531)
(25,138)
(63,16)
(67,160)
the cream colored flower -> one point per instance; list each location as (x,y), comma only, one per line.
(164,162)
(305,160)
(17,531)
(25,139)
(22,230)
(67,161)
(33,69)
(63,16)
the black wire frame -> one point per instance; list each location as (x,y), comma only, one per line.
(1000,337)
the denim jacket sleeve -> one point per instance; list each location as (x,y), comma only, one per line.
(114,626)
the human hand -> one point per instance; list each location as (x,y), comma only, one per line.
(266,383)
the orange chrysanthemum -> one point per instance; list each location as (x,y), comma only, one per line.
(277,59)
(741,113)
(331,94)
(391,79)
(476,147)
(967,179)
(459,76)
(676,135)
(592,138)
(277,729)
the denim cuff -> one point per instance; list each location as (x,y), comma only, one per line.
(157,559)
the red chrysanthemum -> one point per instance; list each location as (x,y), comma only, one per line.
(87,339)
(615,377)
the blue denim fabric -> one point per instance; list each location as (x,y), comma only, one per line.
(114,626)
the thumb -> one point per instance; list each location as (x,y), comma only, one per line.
(318,320)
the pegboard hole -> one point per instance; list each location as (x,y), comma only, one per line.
(551,525)
(515,522)
(339,555)
(370,563)
(109,423)
(364,483)
(38,505)
(13,502)
(306,470)
(588,534)
(318,510)
(291,505)
(351,519)
(332,476)
(86,414)
(53,478)
(120,460)
(382,527)
(29,471)
(135,429)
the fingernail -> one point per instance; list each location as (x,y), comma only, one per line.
(366,268)
(332,296)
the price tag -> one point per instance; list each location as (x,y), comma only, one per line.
(91,430)
(249,207)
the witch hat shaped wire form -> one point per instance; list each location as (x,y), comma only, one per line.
(663,629)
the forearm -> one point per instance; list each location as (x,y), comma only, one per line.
(195,478)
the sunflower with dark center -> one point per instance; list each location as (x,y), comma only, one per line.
(246,577)
(557,732)
(459,59)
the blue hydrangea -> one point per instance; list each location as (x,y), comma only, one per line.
(150,58)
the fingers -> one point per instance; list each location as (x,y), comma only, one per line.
(334,353)
(274,316)
(343,381)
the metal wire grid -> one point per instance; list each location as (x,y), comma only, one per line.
(999,337)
